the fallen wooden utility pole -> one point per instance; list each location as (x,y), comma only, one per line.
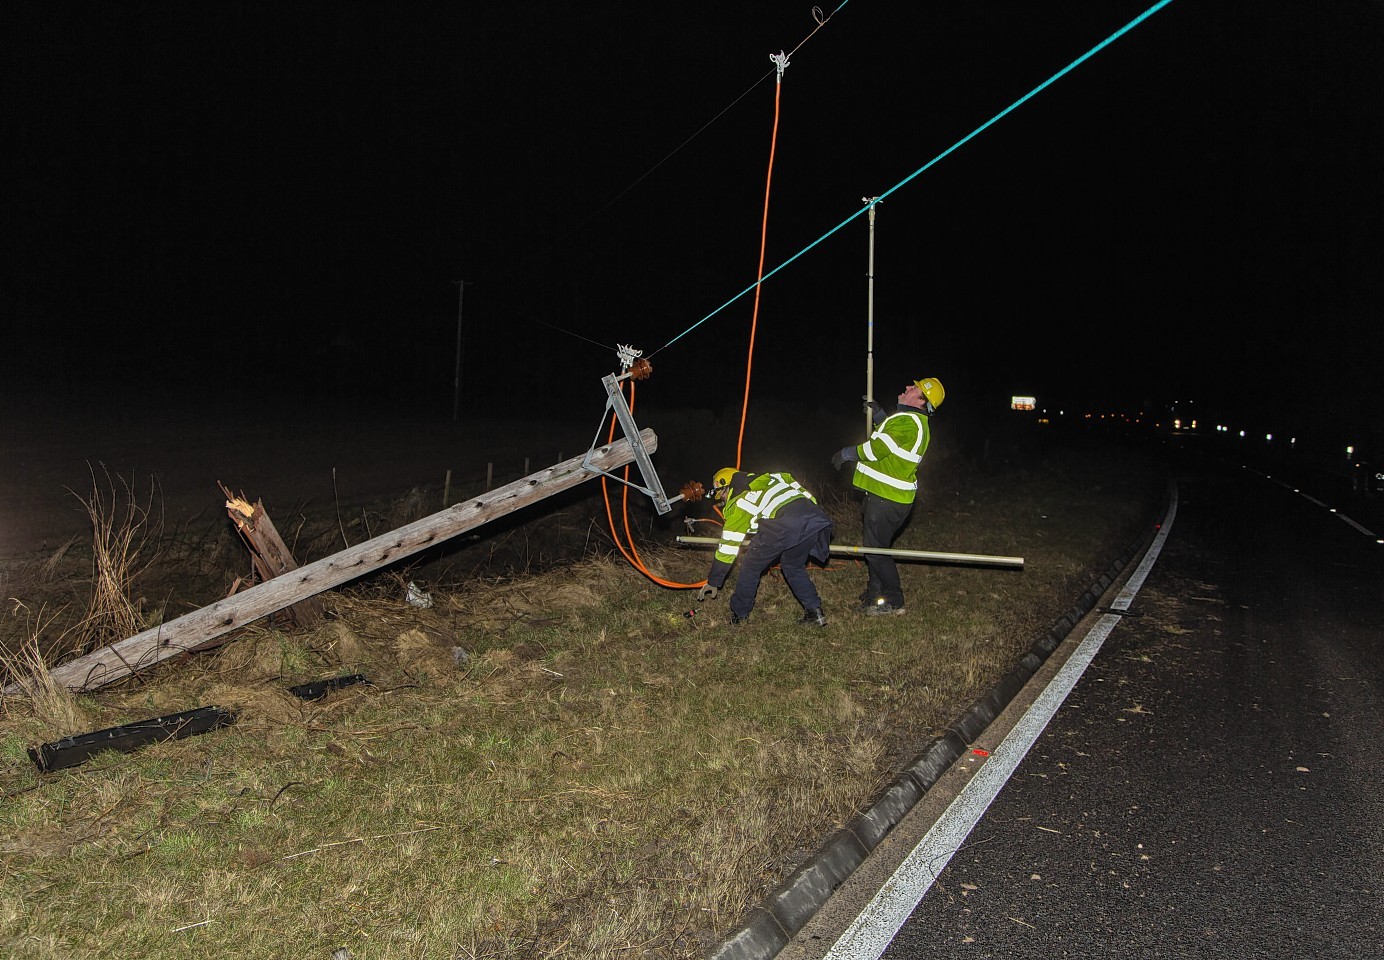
(238,610)
(974,559)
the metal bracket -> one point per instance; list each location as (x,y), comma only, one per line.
(653,488)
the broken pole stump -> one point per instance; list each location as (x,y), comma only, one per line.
(269,553)
(156,644)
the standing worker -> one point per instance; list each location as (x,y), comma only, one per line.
(886,468)
(783,524)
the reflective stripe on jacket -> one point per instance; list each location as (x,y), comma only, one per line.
(888,465)
(766,495)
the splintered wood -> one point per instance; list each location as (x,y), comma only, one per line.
(270,554)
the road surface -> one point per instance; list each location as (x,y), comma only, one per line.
(1209,787)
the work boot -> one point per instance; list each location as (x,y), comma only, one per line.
(882,608)
(814,618)
(737,619)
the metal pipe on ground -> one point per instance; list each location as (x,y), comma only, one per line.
(973,559)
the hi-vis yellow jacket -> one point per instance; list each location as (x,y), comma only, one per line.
(889,460)
(766,494)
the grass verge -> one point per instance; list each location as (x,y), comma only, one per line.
(554,764)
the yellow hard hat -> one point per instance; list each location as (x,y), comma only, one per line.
(721,481)
(931,389)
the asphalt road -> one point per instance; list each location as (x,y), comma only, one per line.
(1210,785)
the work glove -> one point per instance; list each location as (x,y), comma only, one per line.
(844,455)
(707,592)
(877,413)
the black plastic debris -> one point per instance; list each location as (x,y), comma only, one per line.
(70,751)
(320,688)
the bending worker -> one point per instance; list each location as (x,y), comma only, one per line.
(886,468)
(782,523)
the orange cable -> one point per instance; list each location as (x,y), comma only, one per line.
(633,554)
(759,279)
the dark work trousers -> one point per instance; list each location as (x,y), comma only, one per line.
(801,531)
(881,521)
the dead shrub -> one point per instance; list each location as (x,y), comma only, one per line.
(125,534)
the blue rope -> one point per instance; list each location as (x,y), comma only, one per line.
(952,149)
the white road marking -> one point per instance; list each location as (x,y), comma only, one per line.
(871,932)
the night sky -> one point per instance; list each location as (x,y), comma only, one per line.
(207,201)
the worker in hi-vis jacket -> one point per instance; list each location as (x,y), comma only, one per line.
(886,469)
(768,518)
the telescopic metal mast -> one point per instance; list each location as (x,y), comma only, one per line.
(870,320)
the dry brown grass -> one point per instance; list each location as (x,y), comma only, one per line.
(125,532)
(50,704)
